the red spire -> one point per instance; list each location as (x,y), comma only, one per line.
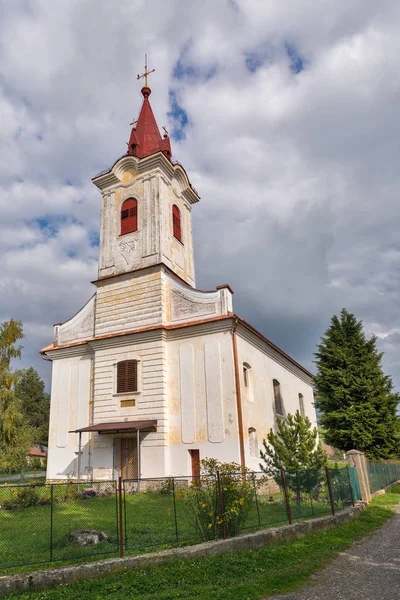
(145,136)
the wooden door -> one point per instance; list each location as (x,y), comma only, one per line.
(195,458)
(129,458)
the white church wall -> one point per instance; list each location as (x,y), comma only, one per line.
(69,410)
(201,397)
(183,304)
(258,405)
(129,302)
(79,327)
(157,186)
(177,255)
(150,400)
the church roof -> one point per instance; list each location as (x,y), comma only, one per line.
(145,136)
(227,317)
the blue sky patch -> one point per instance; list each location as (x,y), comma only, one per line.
(94,239)
(178,116)
(296,63)
(256,58)
(185,70)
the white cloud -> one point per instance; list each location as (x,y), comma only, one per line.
(297,172)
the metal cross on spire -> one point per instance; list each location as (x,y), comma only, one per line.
(146,72)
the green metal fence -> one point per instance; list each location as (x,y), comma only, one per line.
(47,523)
(355,485)
(382,474)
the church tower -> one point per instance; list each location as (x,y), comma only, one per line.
(146,217)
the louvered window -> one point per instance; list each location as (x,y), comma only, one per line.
(127,376)
(176,222)
(129,219)
(278,398)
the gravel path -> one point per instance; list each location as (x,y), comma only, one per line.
(369,570)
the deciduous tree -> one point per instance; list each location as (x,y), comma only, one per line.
(15,437)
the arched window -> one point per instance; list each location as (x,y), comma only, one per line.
(129,216)
(246,374)
(278,398)
(127,376)
(176,222)
(301,405)
(253,442)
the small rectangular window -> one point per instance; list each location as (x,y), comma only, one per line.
(127,380)
(125,214)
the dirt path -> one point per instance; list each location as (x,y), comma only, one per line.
(369,570)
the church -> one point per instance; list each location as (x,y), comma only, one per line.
(152,374)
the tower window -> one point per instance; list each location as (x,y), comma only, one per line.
(129,216)
(176,222)
(278,398)
(127,376)
(301,405)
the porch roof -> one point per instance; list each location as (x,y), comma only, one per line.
(118,427)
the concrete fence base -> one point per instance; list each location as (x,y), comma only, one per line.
(248,541)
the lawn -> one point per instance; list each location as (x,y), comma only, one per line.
(250,575)
(153,519)
(391,497)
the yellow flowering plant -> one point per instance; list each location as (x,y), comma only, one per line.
(224,506)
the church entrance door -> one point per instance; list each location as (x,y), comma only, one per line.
(126,462)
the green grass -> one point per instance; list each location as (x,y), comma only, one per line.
(276,568)
(390,498)
(26,535)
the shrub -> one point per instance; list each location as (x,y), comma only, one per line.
(22,498)
(203,503)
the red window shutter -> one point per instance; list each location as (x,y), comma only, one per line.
(127,376)
(176,222)
(129,216)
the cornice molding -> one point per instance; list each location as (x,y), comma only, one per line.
(106,181)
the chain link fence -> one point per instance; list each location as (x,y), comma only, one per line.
(47,523)
(382,474)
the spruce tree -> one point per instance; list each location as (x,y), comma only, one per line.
(355,398)
(295,448)
(35,403)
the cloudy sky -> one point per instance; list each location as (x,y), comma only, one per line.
(286,116)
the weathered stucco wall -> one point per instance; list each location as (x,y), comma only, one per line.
(201,397)
(69,410)
(258,405)
(129,302)
(156,187)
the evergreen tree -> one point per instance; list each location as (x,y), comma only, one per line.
(35,403)
(295,448)
(355,397)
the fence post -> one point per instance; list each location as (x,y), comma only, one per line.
(328,480)
(357,459)
(255,494)
(351,489)
(51,520)
(288,511)
(176,520)
(221,506)
(120,519)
